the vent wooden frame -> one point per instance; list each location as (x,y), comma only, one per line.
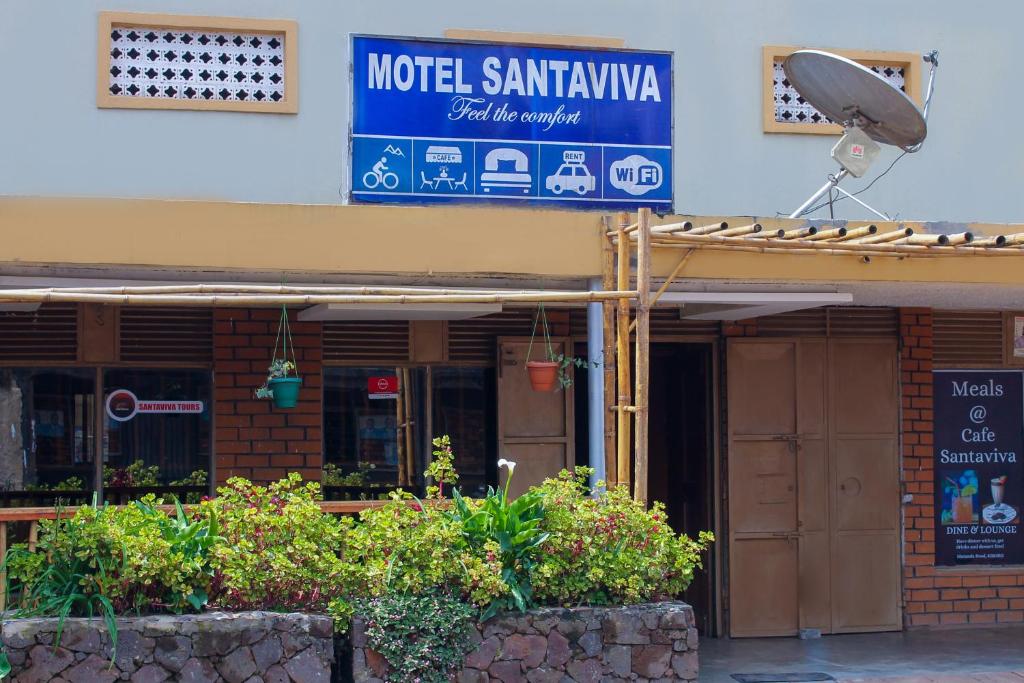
(1010,336)
(909,61)
(288,29)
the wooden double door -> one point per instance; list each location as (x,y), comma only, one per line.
(813,475)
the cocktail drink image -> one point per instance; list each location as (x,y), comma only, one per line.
(998,487)
(961,491)
(963,510)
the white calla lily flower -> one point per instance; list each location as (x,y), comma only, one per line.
(511,465)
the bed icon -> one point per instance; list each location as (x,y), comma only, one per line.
(506,168)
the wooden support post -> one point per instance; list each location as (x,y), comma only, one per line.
(33,535)
(3,574)
(410,453)
(608,324)
(403,465)
(643,352)
(623,451)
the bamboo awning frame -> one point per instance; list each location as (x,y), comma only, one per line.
(862,241)
(617,297)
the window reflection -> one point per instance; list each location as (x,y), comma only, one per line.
(46,430)
(166,443)
(373,437)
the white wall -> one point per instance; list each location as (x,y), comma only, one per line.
(56,142)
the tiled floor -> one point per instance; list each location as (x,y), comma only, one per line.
(990,655)
(994,677)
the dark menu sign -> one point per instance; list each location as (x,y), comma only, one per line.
(979,478)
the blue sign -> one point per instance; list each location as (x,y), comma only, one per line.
(442,121)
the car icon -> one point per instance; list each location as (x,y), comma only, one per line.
(573,176)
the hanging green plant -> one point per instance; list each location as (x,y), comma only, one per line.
(283,380)
(544,374)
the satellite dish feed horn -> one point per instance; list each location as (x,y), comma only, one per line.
(871,111)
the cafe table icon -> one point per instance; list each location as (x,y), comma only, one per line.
(442,156)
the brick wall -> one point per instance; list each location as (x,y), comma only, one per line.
(253,439)
(938,596)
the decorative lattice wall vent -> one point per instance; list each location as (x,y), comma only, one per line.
(180,62)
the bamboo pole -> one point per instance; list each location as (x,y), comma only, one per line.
(799,233)
(740,230)
(43,296)
(832,233)
(3,573)
(403,470)
(234,288)
(924,240)
(623,466)
(1013,239)
(996,241)
(608,325)
(410,453)
(960,238)
(884,236)
(854,247)
(865,231)
(668,281)
(643,351)
(756,249)
(705,229)
(673,227)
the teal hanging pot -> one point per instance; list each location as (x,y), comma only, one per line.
(284,391)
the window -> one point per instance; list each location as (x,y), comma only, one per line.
(154,61)
(379,423)
(167,431)
(784,111)
(47,428)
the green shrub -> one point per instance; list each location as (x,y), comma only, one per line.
(410,548)
(422,637)
(609,549)
(280,552)
(113,560)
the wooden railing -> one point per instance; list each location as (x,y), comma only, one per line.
(33,515)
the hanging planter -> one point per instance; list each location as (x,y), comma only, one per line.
(283,380)
(545,375)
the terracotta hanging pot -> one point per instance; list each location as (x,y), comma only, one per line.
(543,374)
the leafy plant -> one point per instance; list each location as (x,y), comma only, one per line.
(609,549)
(197,478)
(135,474)
(514,527)
(279,367)
(422,637)
(72,582)
(279,551)
(332,475)
(442,467)
(192,540)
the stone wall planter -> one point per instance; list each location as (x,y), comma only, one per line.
(652,642)
(245,647)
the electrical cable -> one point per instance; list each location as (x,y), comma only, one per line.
(863,189)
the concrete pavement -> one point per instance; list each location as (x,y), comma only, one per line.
(979,655)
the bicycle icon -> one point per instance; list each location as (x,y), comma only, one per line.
(380,175)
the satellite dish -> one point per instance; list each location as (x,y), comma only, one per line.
(853,95)
(870,109)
